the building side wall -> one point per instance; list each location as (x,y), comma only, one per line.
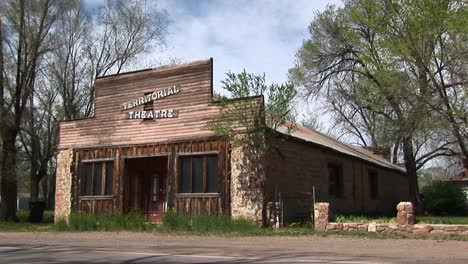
(294,169)
(111,126)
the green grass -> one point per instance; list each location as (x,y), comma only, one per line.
(208,225)
(450,220)
(24,226)
(202,225)
(109,222)
(364,219)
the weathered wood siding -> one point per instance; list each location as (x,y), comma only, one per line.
(184,203)
(111,127)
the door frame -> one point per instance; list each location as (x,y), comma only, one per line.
(123,158)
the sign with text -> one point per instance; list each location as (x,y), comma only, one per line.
(153,114)
(150,97)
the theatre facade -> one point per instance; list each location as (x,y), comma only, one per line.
(148,149)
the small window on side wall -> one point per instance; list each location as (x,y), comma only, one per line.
(373,185)
(198,174)
(335,180)
(97,178)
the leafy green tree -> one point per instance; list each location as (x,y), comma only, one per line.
(248,120)
(243,119)
(443,198)
(376,58)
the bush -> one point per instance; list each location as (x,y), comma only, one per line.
(443,198)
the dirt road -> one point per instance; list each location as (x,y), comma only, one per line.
(126,247)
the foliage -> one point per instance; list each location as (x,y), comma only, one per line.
(443,198)
(243,120)
(446,220)
(374,63)
(108,222)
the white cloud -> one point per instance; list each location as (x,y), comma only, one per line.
(259,36)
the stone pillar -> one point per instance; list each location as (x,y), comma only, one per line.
(247,184)
(63,185)
(321,215)
(405,214)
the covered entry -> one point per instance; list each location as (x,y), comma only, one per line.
(145,186)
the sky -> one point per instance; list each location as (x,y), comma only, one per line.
(259,36)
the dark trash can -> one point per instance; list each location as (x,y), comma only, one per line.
(36,212)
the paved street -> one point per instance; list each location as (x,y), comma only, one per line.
(128,247)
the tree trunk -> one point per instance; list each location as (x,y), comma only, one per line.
(9,184)
(411,172)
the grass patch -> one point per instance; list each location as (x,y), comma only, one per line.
(208,225)
(109,222)
(364,219)
(24,226)
(448,220)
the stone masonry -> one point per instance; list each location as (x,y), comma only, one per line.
(405,219)
(246,187)
(405,214)
(63,185)
(321,215)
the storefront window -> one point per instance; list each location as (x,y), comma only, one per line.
(96,178)
(198,174)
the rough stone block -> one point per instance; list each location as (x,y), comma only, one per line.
(372,227)
(363,227)
(405,214)
(436,232)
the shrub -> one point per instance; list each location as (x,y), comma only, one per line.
(443,198)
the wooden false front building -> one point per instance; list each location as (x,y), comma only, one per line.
(148,149)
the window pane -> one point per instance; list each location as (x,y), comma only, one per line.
(184,184)
(87,179)
(212,174)
(197,174)
(97,190)
(109,178)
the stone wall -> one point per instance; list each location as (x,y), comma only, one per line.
(63,185)
(405,225)
(247,182)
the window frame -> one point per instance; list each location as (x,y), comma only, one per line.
(371,184)
(204,156)
(103,163)
(338,182)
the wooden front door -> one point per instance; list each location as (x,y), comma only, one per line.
(146,191)
(155,203)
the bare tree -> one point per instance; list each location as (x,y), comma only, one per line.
(29,24)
